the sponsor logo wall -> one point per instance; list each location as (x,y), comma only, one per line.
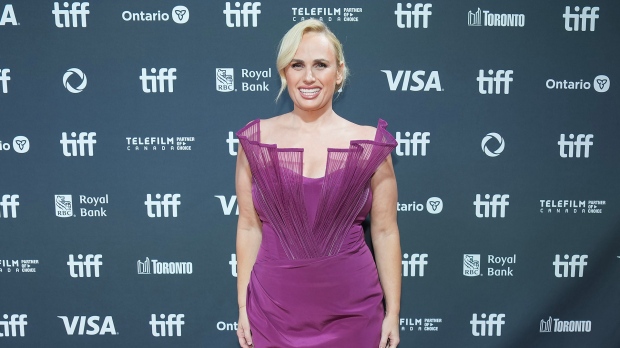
(118,207)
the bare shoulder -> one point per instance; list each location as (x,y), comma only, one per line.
(360,132)
(269,127)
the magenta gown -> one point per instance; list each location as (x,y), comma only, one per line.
(314,283)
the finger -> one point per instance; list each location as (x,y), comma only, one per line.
(242,341)
(383,341)
(248,337)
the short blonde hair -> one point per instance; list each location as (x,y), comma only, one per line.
(290,43)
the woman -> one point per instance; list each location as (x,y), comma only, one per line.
(305,181)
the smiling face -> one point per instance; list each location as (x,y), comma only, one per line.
(313,73)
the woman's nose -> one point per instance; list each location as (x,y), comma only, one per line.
(309,76)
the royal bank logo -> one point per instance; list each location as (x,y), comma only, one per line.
(601,84)
(82,82)
(170,144)
(414,81)
(71,14)
(497,82)
(579,21)
(557,325)
(242,15)
(13,325)
(570,266)
(18,266)
(434,205)
(499,148)
(8,206)
(487,327)
(21,144)
(154,266)
(5,78)
(251,80)
(225,79)
(572,206)
(82,146)
(488,19)
(88,325)
(85,265)
(497,266)
(64,205)
(471,265)
(574,148)
(327,14)
(170,326)
(412,15)
(179,15)
(413,265)
(89,206)
(420,324)
(8,16)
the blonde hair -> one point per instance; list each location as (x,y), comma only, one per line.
(290,43)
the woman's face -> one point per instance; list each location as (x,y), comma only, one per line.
(312,75)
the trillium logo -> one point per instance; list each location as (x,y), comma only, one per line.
(180,14)
(80,74)
(601,83)
(486,139)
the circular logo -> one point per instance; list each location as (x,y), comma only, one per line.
(82,77)
(180,14)
(434,205)
(499,150)
(21,144)
(601,83)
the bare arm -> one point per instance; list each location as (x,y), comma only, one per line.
(386,243)
(249,227)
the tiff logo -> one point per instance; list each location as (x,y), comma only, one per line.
(84,267)
(170,200)
(502,77)
(574,147)
(486,326)
(249,8)
(409,147)
(233,264)
(69,18)
(227,207)
(561,267)
(150,82)
(11,326)
(419,10)
(233,143)
(490,208)
(158,327)
(9,201)
(587,13)
(4,77)
(70,147)
(413,262)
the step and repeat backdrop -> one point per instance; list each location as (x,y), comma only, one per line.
(117,155)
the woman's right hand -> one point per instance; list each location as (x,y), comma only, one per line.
(243,329)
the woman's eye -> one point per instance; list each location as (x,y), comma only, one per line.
(321,65)
(297,65)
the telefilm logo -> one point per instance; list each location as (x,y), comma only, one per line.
(571,266)
(579,21)
(79,75)
(490,206)
(21,144)
(413,265)
(253,80)
(228,204)
(583,141)
(158,79)
(558,325)
(497,266)
(488,19)
(85,325)
(18,266)
(327,14)
(160,143)
(163,206)
(5,78)
(8,206)
(72,15)
(90,206)
(489,327)
(82,146)
(497,82)
(434,205)
(149,266)
(13,325)
(8,16)
(403,79)
(601,84)
(412,143)
(179,15)
(486,146)
(242,15)
(86,265)
(420,324)
(167,326)
(571,206)
(412,13)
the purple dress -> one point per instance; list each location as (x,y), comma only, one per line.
(314,283)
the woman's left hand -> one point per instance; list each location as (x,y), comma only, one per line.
(390,335)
